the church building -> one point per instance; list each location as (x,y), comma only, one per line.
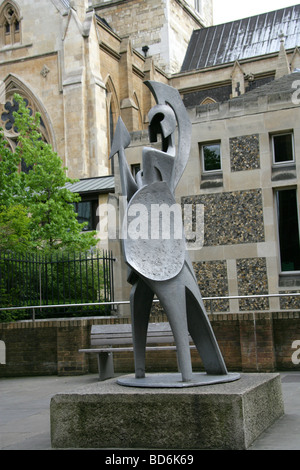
(82,64)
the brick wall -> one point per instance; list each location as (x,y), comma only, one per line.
(260,342)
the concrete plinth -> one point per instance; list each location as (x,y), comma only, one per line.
(223,416)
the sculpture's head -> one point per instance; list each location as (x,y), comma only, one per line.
(162,121)
(170,113)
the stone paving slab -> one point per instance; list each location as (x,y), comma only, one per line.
(25,412)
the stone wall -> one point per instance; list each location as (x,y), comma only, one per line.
(217,93)
(252,279)
(231,217)
(240,213)
(244,152)
(164,26)
(213,280)
(260,341)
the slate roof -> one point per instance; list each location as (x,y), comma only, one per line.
(101,184)
(241,39)
(286,85)
(66,3)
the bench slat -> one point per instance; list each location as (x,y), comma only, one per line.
(127,330)
(126,327)
(129,334)
(148,348)
(156,339)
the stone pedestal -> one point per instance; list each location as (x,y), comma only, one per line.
(222,416)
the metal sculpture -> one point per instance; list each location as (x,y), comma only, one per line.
(160,265)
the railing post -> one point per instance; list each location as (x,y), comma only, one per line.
(255,340)
(40,281)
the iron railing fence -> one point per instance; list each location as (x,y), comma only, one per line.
(114,304)
(68,284)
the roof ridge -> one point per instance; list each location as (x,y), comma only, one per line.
(253,16)
(240,39)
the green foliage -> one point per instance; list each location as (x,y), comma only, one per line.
(40,194)
(212,157)
(15,228)
(7,300)
(37,217)
(12,182)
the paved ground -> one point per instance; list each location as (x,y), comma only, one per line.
(25,411)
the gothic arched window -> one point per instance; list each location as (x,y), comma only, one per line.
(10,24)
(13,85)
(7,122)
(207,100)
(113,111)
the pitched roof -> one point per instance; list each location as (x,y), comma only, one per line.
(61,5)
(102,184)
(66,3)
(242,39)
(286,85)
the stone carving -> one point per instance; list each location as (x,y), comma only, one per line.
(158,262)
(45,70)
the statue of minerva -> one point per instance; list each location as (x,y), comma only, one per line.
(160,265)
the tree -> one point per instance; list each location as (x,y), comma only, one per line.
(14,229)
(12,182)
(41,192)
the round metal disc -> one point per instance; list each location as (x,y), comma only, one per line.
(153,237)
(173,380)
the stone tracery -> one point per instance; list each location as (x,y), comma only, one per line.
(10,22)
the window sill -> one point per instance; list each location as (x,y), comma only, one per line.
(289,279)
(13,47)
(285,171)
(213,179)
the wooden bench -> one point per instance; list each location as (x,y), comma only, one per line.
(107,339)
